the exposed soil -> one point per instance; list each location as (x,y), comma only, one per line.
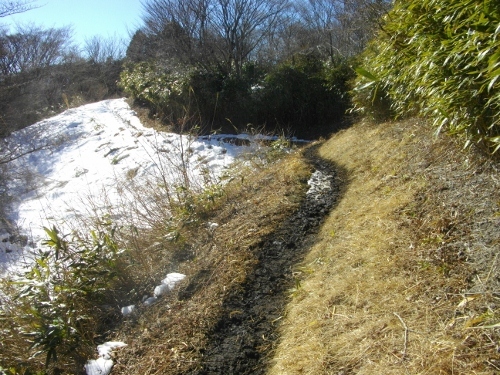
(248,328)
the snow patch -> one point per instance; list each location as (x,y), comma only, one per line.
(172,279)
(167,284)
(128,310)
(81,161)
(148,301)
(161,289)
(103,364)
(319,184)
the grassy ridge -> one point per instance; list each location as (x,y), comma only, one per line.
(401,279)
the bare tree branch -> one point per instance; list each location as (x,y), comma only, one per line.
(204,32)
(341,26)
(8,8)
(32,47)
(100,50)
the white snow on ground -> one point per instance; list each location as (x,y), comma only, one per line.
(103,364)
(84,158)
(319,183)
(78,162)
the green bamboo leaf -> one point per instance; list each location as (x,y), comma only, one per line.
(494,60)
(53,235)
(366,74)
(493,81)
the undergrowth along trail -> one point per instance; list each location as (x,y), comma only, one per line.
(226,273)
(394,270)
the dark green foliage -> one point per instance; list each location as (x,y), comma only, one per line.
(211,99)
(165,90)
(224,101)
(439,59)
(306,96)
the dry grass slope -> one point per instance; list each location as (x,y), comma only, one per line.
(404,276)
(171,340)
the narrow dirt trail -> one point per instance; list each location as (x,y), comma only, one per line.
(249,327)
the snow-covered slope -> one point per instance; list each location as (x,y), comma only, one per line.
(78,162)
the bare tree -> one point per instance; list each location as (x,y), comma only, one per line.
(190,15)
(230,32)
(284,41)
(32,47)
(226,32)
(178,29)
(242,25)
(321,18)
(359,20)
(341,27)
(8,8)
(101,50)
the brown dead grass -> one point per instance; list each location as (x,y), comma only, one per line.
(402,279)
(403,276)
(169,337)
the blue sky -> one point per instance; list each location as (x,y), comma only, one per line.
(106,18)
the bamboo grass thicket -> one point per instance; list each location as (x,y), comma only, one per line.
(438,59)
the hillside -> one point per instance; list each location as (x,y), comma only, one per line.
(156,241)
(401,277)
(374,251)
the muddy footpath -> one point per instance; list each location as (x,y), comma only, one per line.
(248,329)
